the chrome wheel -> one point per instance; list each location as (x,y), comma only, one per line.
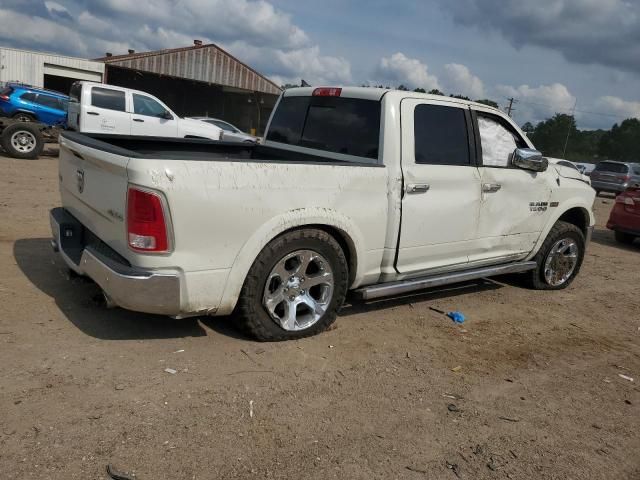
(299,290)
(561,262)
(23,141)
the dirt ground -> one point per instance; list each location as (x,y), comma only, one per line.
(528,388)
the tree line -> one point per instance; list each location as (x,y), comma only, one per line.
(621,142)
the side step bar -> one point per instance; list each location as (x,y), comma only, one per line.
(405,286)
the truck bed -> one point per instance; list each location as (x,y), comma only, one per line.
(163,148)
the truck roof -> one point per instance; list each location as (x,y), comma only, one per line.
(375,93)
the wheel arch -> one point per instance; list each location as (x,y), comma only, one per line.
(576,212)
(578,216)
(25,112)
(340,227)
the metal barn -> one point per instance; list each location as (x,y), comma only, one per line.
(199,80)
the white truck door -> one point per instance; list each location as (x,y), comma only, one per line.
(104,110)
(441,198)
(515,202)
(152,118)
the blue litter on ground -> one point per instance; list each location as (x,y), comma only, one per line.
(457,317)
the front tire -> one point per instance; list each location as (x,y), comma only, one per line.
(624,238)
(295,287)
(559,259)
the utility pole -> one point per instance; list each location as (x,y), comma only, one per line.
(573,115)
(510,107)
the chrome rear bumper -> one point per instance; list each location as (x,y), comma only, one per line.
(126,286)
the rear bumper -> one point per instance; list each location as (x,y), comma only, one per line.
(126,286)
(608,187)
(622,221)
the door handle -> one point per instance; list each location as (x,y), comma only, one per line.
(138,120)
(491,187)
(418,188)
(93,113)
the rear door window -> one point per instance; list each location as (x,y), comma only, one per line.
(108,99)
(441,136)
(49,101)
(349,126)
(28,97)
(610,167)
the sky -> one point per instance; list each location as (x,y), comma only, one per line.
(551,56)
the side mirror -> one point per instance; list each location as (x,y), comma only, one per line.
(529,159)
(167,115)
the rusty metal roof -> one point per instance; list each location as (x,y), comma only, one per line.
(206,63)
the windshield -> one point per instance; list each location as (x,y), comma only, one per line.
(223,125)
(612,167)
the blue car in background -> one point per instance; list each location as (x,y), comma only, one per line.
(30,104)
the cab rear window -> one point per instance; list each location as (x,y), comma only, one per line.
(612,167)
(349,126)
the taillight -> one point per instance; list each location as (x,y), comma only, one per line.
(624,199)
(146,225)
(327,92)
(4,97)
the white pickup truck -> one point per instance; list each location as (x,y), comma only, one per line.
(376,191)
(99,108)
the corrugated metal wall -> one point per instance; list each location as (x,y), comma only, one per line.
(29,67)
(246,109)
(206,64)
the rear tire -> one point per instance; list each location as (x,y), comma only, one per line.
(624,238)
(295,287)
(22,140)
(559,259)
(24,117)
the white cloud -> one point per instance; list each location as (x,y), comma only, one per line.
(411,72)
(619,107)
(538,103)
(458,79)
(296,64)
(605,32)
(253,30)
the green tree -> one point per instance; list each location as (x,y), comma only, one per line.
(622,142)
(419,90)
(488,102)
(550,136)
(435,91)
(288,85)
(461,97)
(402,88)
(528,128)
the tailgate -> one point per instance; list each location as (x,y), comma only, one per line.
(93,188)
(609,177)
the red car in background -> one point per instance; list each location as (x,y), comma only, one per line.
(625,215)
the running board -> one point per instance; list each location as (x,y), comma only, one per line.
(404,286)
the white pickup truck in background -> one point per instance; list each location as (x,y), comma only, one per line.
(99,108)
(377,191)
